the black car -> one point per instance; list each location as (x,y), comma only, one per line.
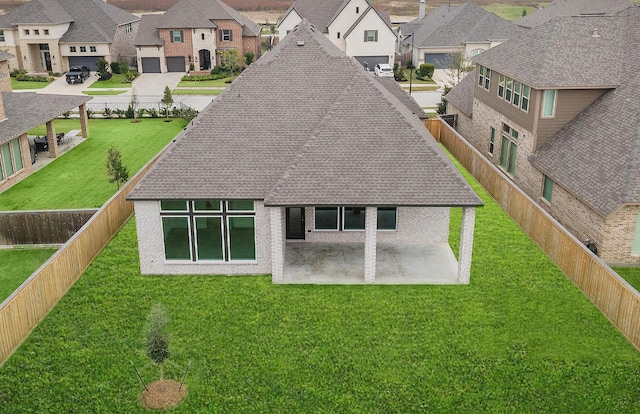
(77,74)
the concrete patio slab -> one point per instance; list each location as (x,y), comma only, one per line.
(343,263)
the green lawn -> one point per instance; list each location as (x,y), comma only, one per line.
(116,81)
(104,92)
(197,91)
(208,83)
(520,338)
(631,275)
(78,179)
(507,11)
(16,265)
(416,81)
(17,85)
(420,88)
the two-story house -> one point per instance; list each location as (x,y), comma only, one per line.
(449,30)
(354,26)
(194,34)
(558,111)
(53,35)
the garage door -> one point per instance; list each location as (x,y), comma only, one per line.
(89,61)
(440,60)
(370,61)
(150,65)
(176,64)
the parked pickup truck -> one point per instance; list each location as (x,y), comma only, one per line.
(77,74)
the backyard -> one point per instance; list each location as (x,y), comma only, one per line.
(78,178)
(519,338)
(16,265)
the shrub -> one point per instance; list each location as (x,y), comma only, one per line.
(140,112)
(102,69)
(425,71)
(119,113)
(248,58)
(217,70)
(441,108)
(153,113)
(14,73)
(29,78)
(398,73)
(129,112)
(107,112)
(66,115)
(188,114)
(89,113)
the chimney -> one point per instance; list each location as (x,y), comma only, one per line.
(421,13)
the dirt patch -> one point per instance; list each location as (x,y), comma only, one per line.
(162,394)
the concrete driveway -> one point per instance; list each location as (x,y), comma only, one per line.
(152,84)
(61,87)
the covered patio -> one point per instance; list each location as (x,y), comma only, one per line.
(343,263)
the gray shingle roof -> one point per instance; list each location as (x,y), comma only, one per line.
(200,13)
(451,26)
(305,125)
(563,53)
(596,156)
(5,56)
(560,8)
(461,96)
(91,20)
(25,111)
(318,13)
(147,34)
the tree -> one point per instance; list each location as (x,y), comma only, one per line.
(230,61)
(157,337)
(441,108)
(457,67)
(132,109)
(248,58)
(167,100)
(102,69)
(118,173)
(524,12)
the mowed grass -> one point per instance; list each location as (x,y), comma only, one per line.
(197,91)
(508,11)
(104,92)
(16,265)
(631,275)
(519,338)
(116,81)
(17,85)
(78,178)
(207,83)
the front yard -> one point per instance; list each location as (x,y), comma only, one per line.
(78,178)
(519,338)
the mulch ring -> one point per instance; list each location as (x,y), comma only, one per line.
(162,394)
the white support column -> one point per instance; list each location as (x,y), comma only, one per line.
(277,245)
(370,241)
(466,244)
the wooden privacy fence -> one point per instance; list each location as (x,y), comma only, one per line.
(30,303)
(615,298)
(41,227)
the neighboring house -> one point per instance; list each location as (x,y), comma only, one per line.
(335,162)
(564,8)
(20,112)
(354,26)
(558,111)
(53,35)
(194,32)
(448,30)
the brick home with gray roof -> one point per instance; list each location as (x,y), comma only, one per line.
(558,111)
(20,112)
(354,26)
(53,35)
(194,32)
(337,163)
(467,29)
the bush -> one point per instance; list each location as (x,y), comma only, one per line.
(28,78)
(14,73)
(425,71)
(119,67)
(129,112)
(140,112)
(441,108)
(153,113)
(102,69)
(398,73)
(248,58)
(107,112)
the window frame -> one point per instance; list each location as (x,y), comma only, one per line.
(128,28)
(226,35)
(484,77)
(635,243)
(93,49)
(73,49)
(10,161)
(501,85)
(545,97)
(508,149)
(492,140)
(368,36)
(547,188)
(27,32)
(340,219)
(2,38)
(83,49)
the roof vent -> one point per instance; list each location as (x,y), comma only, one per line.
(595,33)
(300,43)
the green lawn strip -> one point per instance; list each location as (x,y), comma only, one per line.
(420,88)
(631,275)
(197,91)
(78,179)
(116,81)
(105,92)
(17,85)
(507,11)
(16,265)
(520,338)
(218,82)
(415,81)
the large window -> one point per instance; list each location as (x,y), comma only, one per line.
(226,35)
(547,188)
(208,230)
(370,35)
(352,218)
(484,77)
(177,36)
(549,103)
(509,149)
(10,159)
(515,92)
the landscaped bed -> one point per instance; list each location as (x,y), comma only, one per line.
(16,265)
(519,338)
(78,179)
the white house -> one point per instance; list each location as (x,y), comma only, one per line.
(354,26)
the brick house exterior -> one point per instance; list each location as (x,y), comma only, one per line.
(194,33)
(559,115)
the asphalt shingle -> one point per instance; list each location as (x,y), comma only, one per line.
(305,125)
(561,8)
